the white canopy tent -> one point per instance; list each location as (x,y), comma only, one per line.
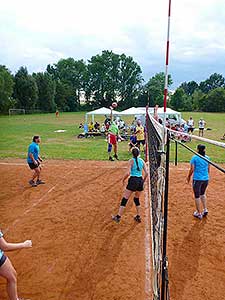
(140,112)
(100,111)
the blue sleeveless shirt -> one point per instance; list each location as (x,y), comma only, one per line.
(134,170)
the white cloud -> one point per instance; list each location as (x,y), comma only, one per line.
(35,33)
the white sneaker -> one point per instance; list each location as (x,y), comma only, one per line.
(197,215)
(205,212)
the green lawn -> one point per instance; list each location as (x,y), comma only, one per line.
(17,131)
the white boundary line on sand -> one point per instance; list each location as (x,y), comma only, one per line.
(147,248)
(54,165)
(33,205)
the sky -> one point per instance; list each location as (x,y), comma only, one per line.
(36,33)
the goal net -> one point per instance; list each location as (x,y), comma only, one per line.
(13,112)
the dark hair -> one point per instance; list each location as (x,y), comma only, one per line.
(35,138)
(136,152)
(201,149)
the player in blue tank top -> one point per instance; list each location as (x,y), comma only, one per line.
(200,170)
(135,184)
(34,160)
(7,270)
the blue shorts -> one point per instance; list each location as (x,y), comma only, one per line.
(199,187)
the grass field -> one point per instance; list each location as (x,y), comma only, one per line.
(17,131)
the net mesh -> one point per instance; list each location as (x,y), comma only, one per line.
(157,171)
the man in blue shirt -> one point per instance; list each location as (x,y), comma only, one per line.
(200,170)
(34,160)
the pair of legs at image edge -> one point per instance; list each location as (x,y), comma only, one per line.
(199,188)
(115,151)
(36,175)
(9,273)
(123,203)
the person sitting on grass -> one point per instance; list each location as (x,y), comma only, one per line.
(91,127)
(7,270)
(133,141)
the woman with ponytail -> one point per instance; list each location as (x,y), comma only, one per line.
(200,170)
(135,184)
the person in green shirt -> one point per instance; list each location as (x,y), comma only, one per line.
(113,136)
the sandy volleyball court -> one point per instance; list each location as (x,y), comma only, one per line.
(80,254)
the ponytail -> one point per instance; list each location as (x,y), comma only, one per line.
(135,152)
(201,149)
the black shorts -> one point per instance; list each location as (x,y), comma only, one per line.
(190,129)
(199,187)
(2,260)
(141,142)
(33,166)
(135,184)
(201,129)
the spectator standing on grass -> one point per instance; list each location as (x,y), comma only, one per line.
(201,126)
(135,184)
(140,134)
(190,124)
(200,170)
(34,160)
(7,270)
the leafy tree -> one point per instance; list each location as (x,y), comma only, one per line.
(189,87)
(46,92)
(70,73)
(25,90)
(214,101)
(213,82)
(197,97)
(6,89)
(129,81)
(62,95)
(155,88)
(180,101)
(112,77)
(103,78)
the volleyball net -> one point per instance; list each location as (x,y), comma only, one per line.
(157,155)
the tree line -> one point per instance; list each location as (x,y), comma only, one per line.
(105,78)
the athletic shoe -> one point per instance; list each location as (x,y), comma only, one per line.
(197,215)
(32,183)
(110,158)
(39,181)
(205,212)
(116,218)
(116,156)
(137,218)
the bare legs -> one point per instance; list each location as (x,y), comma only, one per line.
(9,273)
(37,172)
(126,195)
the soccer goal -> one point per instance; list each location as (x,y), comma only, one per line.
(14,111)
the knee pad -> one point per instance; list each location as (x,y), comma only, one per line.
(136,201)
(109,147)
(123,202)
